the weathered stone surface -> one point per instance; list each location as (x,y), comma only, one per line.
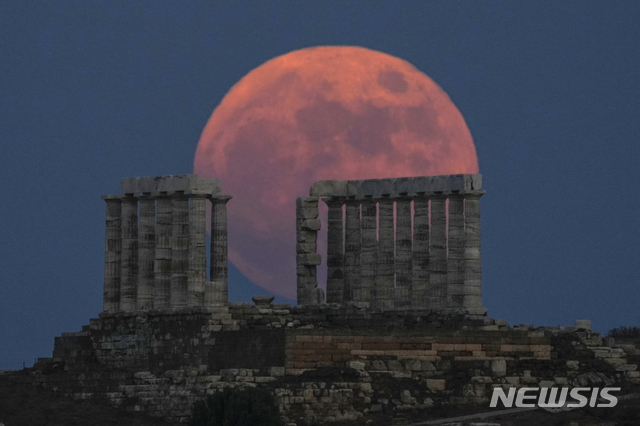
(384,283)
(438,254)
(162,267)
(169,184)
(146,254)
(583,324)
(112,252)
(311,224)
(129,254)
(335,252)
(217,290)
(179,252)
(262,300)
(329,188)
(197,272)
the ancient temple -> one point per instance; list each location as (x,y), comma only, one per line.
(155,245)
(407,243)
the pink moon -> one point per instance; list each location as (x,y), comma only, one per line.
(330,112)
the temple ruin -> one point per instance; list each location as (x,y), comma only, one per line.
(403,328)
(427,258)
(155,245)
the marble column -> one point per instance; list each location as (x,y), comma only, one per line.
(352,248)
(472,256)
(455,259)
(368,261)
(146,253)
(384,287)
(129,254)
(420,260)
(197,274)
(217,288)
(162,269)
(437,290)
(335,251)
(112,249)
(402,297)
(179,251)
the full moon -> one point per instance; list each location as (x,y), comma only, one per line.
(331,112)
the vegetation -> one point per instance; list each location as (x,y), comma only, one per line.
(247,407)
(624,333)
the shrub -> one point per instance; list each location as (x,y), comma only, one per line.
(624,333)
(247,407)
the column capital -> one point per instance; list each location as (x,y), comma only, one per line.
(220,199)
(475,195)
(112,198)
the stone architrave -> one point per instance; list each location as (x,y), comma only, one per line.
(437,289)
(472,255)
(112,249)
(455,259)
(197,273)
(402,296)
(217,288)
(420,261)
(352,248)
(335,251)
(384,288)
(129,254)
(162,269)
(146,254)
(179,251)
(363,293)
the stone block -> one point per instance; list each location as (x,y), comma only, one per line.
(309,259)
(436,385)
(262,300)
(311,224)
(499,367)
(583,325)
(403,185)
(329,188)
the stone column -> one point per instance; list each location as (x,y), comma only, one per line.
(197,274)
(420,261)
(146,253)
(455,259)
(162,269)
(179,251)
(384,288)
(216,291)
(352,249)
(307,226)
(129,256)
(335,251)
(112,249)
(369,253)
(402,295)
(437,289)
(472,299)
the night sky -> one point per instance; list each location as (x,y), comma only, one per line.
(91,92)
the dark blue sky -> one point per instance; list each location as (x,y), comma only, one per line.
(94,91)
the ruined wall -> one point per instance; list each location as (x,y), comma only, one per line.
(394,244)
(383,364)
